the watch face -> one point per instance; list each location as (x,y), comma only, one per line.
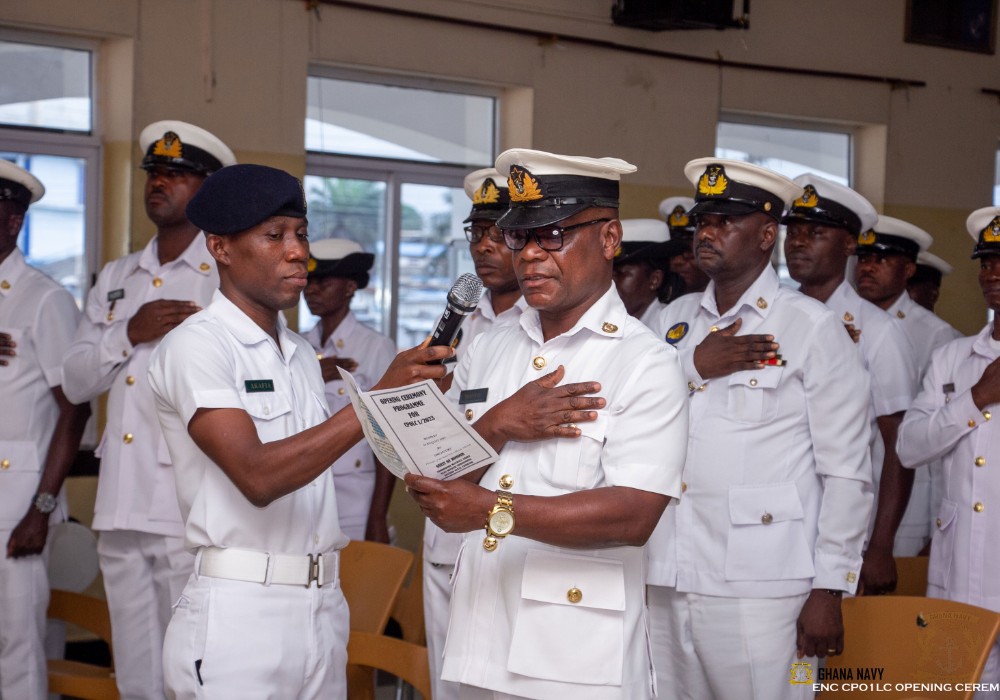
(46,502)
(501,522)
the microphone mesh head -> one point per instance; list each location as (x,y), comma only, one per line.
(466,291)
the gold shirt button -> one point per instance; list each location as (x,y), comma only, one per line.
(979,507)
(319,356)
(900,314)
(972,423)
(506,481)
(5,285)
(684,487)
(691,386)
(111,316)
(987,415)
(574,595)
(341,391)
(848,317)
(124,353)
(851,577)
(130,380)
(713,329)
(340,343)
(5,464)
(469,414)
(767,518)
(538,362)
(980,461)
(753,382)
(938,522)
(127,439)
(157,282)
(761,303)
(357,464)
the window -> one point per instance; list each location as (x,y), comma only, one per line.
(46,124)
(791,151)
(385,168)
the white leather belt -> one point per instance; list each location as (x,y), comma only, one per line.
(268,568)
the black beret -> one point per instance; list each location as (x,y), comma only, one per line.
(239,197)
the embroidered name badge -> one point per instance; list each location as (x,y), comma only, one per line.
(255,386)
(676,332)
(472,396)
(116,294)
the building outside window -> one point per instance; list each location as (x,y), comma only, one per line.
(46,127)
(385,165)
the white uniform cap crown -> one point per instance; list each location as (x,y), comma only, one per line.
(188,133)
(842,195)
(668,205)
(543,163)
(904,229)
(980,219)
(931,260)
(333,248)
(644,231)
(746,174)
(15,173)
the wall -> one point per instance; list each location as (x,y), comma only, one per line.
(238,67)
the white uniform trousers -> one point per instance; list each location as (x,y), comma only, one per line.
(24,599)
(354,501)
(235,639)
(144,575)
(437,610)
(714,648)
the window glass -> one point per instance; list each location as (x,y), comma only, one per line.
(403,123)
(791,152)
(45,87)
(52,237)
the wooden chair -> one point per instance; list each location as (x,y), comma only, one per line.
(913,640)
(73,678)
(409,608)
(371,575)
(394,656)
(911,576)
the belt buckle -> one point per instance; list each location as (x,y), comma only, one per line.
(314,569)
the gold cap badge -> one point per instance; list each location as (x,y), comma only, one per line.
(311,265)
(713,180)
(809,198)
(489,193)
(991,234)
(169,145)
(866,237)
(678,217)
(523,187)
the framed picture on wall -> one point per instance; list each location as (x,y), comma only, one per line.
(967,25)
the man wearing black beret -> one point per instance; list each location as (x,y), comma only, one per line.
(241,402)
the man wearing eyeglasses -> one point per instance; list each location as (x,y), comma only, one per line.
(747,572)
(501,305)
(549,600)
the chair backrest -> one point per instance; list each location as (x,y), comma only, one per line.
(911,576)
(395,656)
(409,608)
(74,678)
(371,575)
(930,642)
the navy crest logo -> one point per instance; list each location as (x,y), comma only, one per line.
(676,332)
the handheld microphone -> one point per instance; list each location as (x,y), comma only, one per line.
(462,300)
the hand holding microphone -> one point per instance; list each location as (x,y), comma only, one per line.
(462,301)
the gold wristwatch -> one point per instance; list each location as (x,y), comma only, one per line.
(500,520)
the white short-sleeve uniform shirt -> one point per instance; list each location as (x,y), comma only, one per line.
(220,358)
(512,628)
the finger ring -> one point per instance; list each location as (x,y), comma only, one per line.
(831,651)
(572,426)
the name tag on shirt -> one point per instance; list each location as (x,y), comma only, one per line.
(472,396)
(255,386)
(116,294)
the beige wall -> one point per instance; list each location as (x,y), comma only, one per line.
(238,68)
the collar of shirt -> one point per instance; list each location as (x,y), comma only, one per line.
(605,317)
(759,297)
(485,308)
(903,304)
(195,256)
(344,329)
(982,346)
(11,270)
(245,330)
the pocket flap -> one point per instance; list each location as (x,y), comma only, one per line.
(563,579)
(766,378)
(764,504)
(266,405)
(19,456)
(946,514)
(595,429)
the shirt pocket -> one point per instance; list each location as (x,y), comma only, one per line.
(572,600)
(19,471)
(577,463)
(753,395)
(767,534)
(943,544)
(267,409)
